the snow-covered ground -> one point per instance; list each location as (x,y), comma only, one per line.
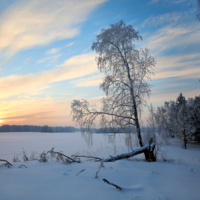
(177,179)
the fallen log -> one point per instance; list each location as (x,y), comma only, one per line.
(127,155)
(148,149)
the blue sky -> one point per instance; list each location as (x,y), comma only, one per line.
(46,59)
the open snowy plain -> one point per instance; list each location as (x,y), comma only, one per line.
(178,178)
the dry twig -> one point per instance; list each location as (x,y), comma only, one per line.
(80,171)
(117,187)
(101,165)
(21,166)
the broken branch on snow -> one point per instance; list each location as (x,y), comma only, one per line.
(96,159)
(106,181)
(80,171)
(21,166)
(58,156)
(7,164)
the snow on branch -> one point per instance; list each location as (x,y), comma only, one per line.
(96,159)
(59,156)
(147,148)
(127,155)
(81,109)
(7,164)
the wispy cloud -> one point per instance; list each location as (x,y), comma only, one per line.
(179,1)
(27,24)
(176,50)
(57,50)
(49,58)
(53,51)
(159,98)
(154,1)
(182,73)
(176,61)
(174,36)
(168,86)
(180,66)
(74,67)
(26,61)
(88,82)
(70,44)
(164,18)
(169,1)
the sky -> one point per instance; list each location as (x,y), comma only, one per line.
(46,59)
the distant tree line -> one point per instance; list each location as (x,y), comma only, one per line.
(58,129)
(114,130)
(32,128)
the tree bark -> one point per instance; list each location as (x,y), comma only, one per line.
(185,143)
(185,139)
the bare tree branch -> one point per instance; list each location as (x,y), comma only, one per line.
(7,164)
(58,156)
(97,159)
(80,171)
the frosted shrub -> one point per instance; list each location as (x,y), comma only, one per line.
(16,158)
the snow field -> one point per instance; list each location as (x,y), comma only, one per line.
(140,180)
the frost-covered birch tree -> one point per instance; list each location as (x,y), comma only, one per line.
(125,83)
(162,117)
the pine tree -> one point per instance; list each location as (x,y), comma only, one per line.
(183,122)
(195,117)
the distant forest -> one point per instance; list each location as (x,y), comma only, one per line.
(56,129)
(32,128)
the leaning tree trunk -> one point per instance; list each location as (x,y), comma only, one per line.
(146,149)
(149,152)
